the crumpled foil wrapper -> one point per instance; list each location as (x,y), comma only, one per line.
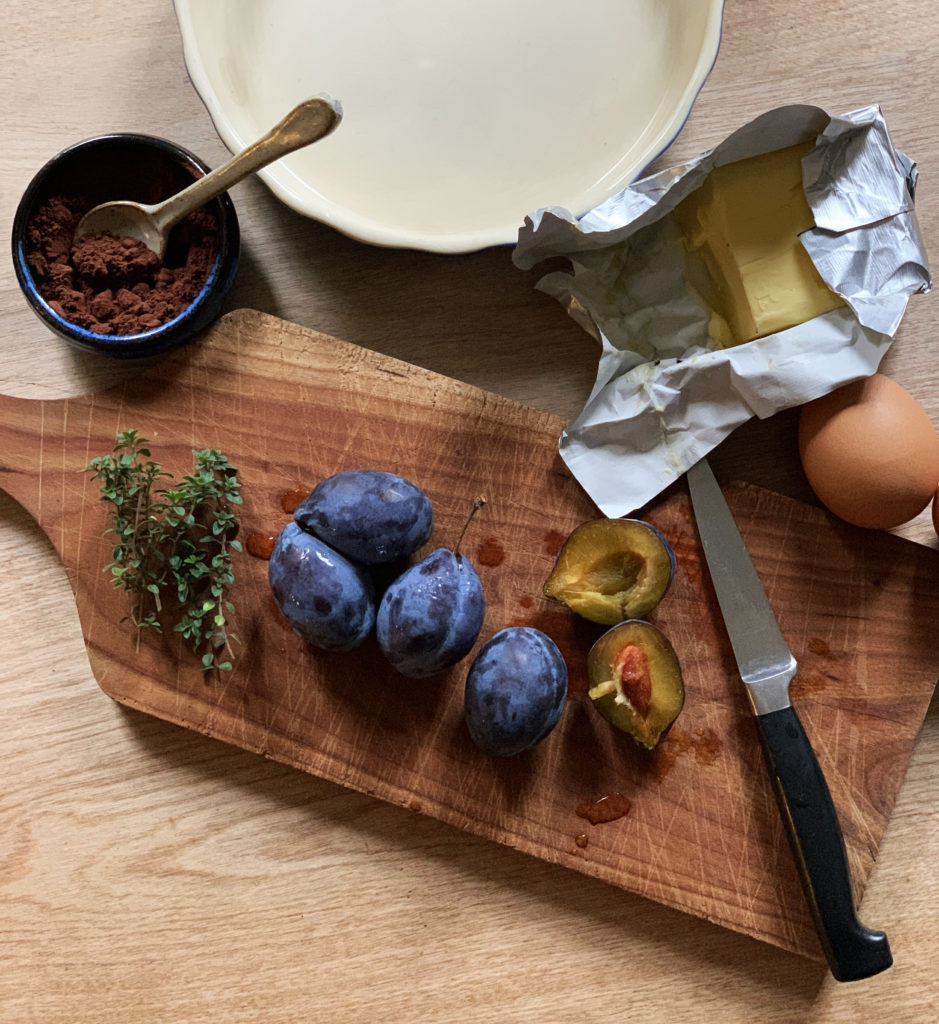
(665,395)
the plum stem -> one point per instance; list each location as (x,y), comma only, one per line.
(477,505)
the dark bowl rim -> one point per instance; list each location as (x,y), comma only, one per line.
(219,279)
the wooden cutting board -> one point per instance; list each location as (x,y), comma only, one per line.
(290,406)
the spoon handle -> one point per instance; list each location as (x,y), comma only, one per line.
(306,123)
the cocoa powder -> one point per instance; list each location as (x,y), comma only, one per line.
(116,286)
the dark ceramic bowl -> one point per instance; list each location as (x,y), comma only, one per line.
(146,169)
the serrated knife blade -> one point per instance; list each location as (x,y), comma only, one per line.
(767,666)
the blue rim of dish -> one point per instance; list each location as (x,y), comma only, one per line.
(691,106)
(228,252)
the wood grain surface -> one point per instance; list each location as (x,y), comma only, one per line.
(289,407)
(149,873)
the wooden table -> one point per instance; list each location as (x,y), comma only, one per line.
(149,874)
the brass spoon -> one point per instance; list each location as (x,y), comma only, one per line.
(151,224)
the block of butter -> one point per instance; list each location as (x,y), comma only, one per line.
(741,247)
(770,270)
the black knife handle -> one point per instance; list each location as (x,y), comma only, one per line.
(853,951)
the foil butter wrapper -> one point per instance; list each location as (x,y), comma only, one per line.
(666,393)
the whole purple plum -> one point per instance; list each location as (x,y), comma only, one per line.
(328,600)
(368,515)
(515,691)
(430,616)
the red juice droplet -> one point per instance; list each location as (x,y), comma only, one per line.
(607,808)
(260,545)
(553,542)
(490,553)
(289,500)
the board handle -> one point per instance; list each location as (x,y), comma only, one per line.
(853,950)
(27,426)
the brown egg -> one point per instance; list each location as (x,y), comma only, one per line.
(870,452)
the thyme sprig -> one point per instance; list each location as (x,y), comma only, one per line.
(174,543)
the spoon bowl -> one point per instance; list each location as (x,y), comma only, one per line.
(151,224)
(124,218)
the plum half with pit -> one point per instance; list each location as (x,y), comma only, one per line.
(635,680)
(369,515)
(609,570)
(515,691)
(328,600)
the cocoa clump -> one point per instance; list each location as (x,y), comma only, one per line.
(112,285)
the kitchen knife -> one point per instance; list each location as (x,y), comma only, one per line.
(767,666)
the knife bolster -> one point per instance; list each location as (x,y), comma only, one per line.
(771,693)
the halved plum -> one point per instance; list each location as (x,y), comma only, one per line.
(635,680)
(612,569)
